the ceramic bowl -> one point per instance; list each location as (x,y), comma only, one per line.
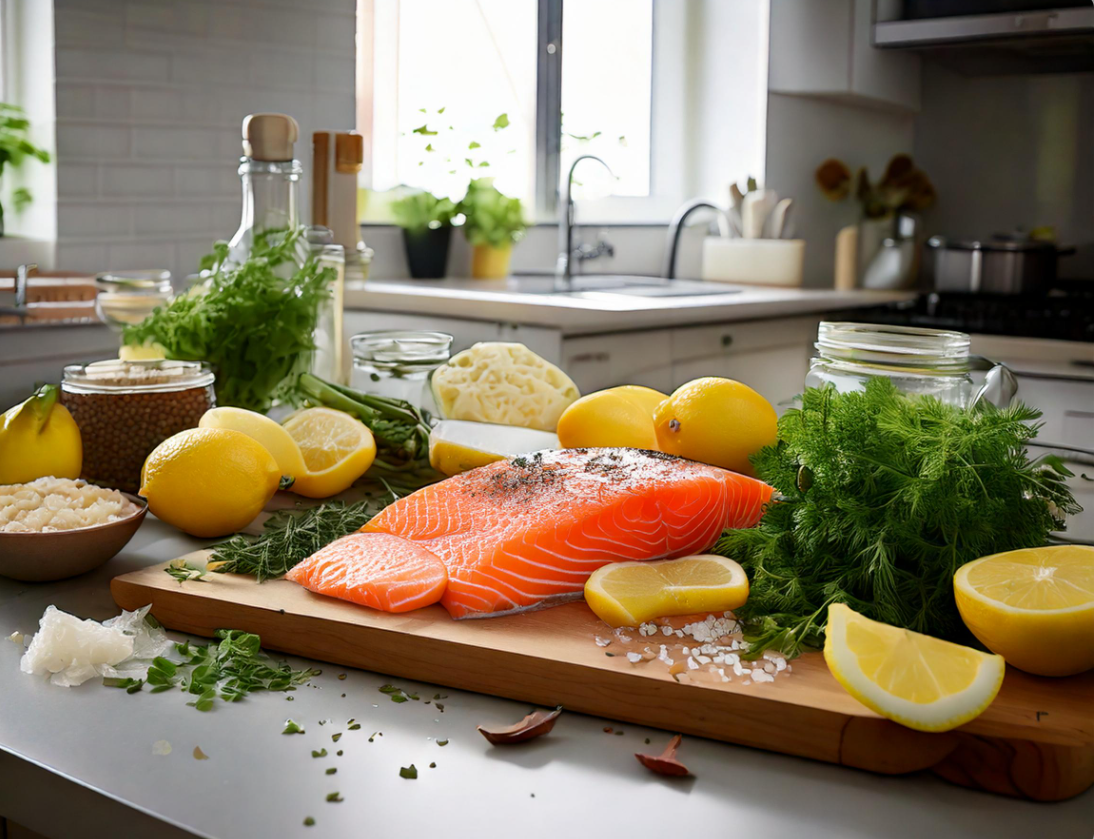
(57,555)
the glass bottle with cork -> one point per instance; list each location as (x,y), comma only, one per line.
(270,177)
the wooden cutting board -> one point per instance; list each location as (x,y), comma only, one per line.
(1035,741)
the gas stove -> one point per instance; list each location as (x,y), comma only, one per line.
(1066,317)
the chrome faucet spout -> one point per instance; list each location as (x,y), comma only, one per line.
(563,268)
(676,227)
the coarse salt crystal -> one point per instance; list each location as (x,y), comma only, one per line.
(666,630)
(769,667)
(704,659)
(602,642)
(780,665)
(692,664)
(634,658)
(738,670)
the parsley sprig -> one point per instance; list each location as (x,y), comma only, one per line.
(230,668)
(882,498)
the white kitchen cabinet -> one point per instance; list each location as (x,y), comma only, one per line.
(770,356)
(595,362)
(825,48)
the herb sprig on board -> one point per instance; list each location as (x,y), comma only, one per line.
(251,322)
(291,536)
(883,498)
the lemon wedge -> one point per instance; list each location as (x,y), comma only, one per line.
(457,446)
(260,427)
(1035,607)
(916,680)
(630,593)
(337,450)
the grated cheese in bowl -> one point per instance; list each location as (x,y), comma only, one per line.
(48,505)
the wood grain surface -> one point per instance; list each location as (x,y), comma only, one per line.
(1035,741)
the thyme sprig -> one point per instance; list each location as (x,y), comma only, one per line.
(882,498)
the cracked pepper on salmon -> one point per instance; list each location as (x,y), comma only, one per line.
(528,532)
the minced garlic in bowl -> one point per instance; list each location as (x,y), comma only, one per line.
(48,505)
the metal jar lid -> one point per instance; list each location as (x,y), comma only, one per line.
(117,376)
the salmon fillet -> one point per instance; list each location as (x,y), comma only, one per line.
(528,532)
(374,569)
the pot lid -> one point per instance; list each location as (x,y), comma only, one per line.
(1007,245)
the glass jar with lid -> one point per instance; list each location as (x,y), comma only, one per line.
(126,408)
(924,362)
(398,363)
(128,297)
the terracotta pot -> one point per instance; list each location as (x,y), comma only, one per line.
(490,263)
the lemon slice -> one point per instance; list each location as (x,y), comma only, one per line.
(916,680)
(630,593)
(276,439)
(457,446)
(337,450)
(502,383)
(1035,607)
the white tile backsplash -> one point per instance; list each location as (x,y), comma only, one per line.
(150,96)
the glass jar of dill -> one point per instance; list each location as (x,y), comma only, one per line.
(919,361)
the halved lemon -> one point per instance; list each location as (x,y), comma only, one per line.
(630,593)
(337,450)
(260,427)
(1035,607)
(457,446)
(922,682)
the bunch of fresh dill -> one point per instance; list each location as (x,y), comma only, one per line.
(882,498)
(291,536)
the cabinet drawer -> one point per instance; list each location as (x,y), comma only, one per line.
(636,358)
(697,342)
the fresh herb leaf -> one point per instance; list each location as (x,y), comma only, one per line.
(408,772)
(902,492)
(291,727)
(319,752)
(501,122)
(291,536)
(250,323)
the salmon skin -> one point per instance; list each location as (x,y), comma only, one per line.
(528,532)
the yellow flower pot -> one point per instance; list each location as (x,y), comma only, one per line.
(490,263)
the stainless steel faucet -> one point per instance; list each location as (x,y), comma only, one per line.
(22,280)
(676,227)
(563,270)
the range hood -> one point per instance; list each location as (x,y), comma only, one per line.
(1036,41)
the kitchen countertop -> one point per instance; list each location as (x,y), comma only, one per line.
(598,311)
(79,761)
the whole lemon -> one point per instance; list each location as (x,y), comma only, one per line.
(209,482)
(38,439)
(717,421)
(619,416)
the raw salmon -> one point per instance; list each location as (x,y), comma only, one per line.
(374,569)
(528,532)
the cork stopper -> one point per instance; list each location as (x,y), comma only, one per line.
(349,152)
(269,136)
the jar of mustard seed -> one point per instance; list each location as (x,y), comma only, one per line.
(126,408)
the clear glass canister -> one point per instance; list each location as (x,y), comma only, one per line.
(398,363)
(126,408)
(128,297)
(919,361)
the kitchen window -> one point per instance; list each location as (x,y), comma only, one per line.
(516,90)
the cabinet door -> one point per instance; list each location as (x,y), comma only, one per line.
(595,362)
(772,357)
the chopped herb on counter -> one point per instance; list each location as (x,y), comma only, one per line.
(335,797)
(309,821)
(442,742)
(336,737)
(332,770)
(292,728)
(408,772)
(883,498)
(319,753)
(354,727)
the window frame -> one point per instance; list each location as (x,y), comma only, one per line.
(668,87)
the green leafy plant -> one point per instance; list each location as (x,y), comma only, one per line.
(882,497)
(15,148)
(491,218)
(421,211)
(252,326)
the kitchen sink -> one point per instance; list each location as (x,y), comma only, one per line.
(619,284)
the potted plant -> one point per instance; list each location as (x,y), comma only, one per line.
(493,222)
(426,221)
(14,149)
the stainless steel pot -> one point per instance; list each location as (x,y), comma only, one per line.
(995,266)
